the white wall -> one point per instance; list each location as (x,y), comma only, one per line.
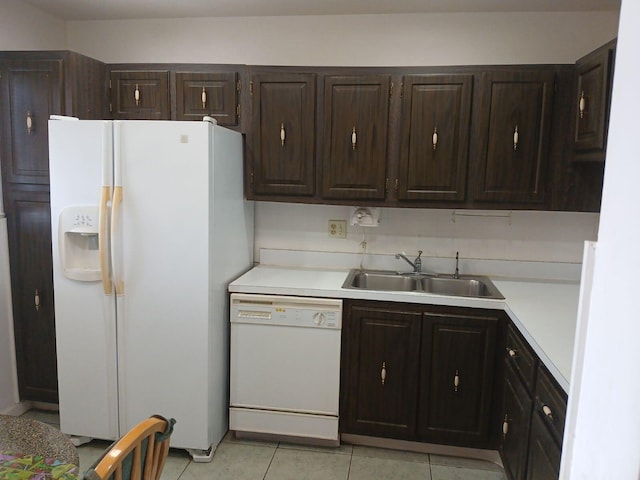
(23,27)
(499,235)
(417,39)
(606,442)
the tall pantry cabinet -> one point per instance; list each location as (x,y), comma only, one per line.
(33,86)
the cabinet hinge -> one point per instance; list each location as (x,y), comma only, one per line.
(401,89)
(251,87)
(238,110)
(391,89)
(238,85)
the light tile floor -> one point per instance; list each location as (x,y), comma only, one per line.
(239,459)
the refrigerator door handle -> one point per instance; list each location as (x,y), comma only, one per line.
(103,228)
(115,250)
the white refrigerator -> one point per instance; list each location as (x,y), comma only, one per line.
(149,226)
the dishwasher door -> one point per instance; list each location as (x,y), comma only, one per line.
(285,365)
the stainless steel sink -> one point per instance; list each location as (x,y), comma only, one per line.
(382,280)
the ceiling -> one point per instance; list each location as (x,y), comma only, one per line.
(137,9)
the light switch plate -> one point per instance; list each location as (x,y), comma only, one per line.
(337,229)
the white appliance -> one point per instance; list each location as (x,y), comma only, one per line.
(149,226)
(285,367)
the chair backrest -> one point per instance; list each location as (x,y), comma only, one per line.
(139,455)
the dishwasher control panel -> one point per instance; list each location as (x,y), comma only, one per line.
(284,310)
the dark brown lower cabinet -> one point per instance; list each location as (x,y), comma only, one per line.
(32,288)
(383,346)
(456,377)
(419,372)
(516,418)
(533,415)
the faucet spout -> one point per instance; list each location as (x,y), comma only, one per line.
(416,264)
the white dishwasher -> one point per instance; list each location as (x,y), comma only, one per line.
(285,366)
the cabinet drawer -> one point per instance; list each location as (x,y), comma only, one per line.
(551,401)
(520,356)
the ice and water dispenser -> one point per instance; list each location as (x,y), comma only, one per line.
(79,242)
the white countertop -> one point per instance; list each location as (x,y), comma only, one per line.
(545,312)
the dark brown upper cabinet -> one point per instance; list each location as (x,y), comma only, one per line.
(356,118)
(594,73)
(282,137)
(434,137)
(32,90)
(140,95)
(511,136)
(212,94)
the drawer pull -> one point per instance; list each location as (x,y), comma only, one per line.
(354,138)
(136,95)
(505,426)
(283,134)
(582,105)
(516,138)
(434,138)
(547,411)
(203,98)
(36,300)
(456,381)
(383,372)
(512,352)
(29,122)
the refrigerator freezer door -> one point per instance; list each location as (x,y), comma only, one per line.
(85,315)
(163,316)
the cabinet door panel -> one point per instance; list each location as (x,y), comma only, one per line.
(544,454)
(151,102)
(512,136)
(283,143)
(593,80)
(356,111)
(32,288)
(212,94)
(435,137)
(33,92)
(516,417)
(457,367)
(382,372)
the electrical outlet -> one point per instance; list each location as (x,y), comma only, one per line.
(337,229)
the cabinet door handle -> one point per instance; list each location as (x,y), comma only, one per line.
(582,104)
(434,138)
(511,352)
(516,138)
(354,138)
(547,411)
(136,95)
(29,122)
(36,300)
(283,134)
(203,98)
(505,426)
(456,381)
(383,372)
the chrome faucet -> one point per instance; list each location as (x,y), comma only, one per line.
(416,264)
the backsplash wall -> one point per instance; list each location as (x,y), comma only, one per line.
(495,235)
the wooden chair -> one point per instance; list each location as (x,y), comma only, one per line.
(138,455)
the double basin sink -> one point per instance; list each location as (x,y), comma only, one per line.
(389,281)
